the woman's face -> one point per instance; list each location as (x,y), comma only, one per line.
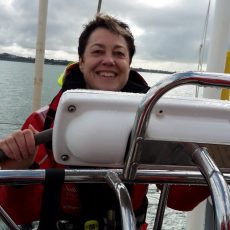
(105,63)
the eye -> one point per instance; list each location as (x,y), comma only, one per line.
(97,51)
(119,53)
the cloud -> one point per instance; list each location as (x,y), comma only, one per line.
(166,31)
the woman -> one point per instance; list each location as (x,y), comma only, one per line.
(106,48)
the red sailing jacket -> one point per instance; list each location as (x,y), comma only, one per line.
(23,203)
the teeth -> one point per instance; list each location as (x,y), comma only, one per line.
(107,74)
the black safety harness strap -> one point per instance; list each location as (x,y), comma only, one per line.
(50,208)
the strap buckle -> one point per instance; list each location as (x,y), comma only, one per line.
(91,225)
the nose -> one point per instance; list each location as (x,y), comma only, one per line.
(108,59)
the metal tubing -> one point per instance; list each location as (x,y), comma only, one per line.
(127,215)
(151,98)
(7,220)
(99,6)
(218,186)
(171,175)
(161,207)
(162,176)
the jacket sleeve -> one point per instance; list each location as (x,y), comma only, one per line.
(184,197)
(36,119)
(23,203)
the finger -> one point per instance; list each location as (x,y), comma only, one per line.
(12,148)
(21,143)
(5,148)
(30,142)
(25,142)
(33,129)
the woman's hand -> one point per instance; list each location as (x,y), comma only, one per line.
(20,148)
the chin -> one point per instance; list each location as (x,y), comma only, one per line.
(108,88)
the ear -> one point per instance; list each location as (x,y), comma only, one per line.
(81,63)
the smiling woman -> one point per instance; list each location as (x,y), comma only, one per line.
(105,60)
(106,49)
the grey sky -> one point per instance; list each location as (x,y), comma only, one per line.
(168,32)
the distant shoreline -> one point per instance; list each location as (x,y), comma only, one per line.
(11,57)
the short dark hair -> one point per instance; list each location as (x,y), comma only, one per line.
(110,23)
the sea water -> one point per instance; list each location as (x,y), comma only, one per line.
(16,87)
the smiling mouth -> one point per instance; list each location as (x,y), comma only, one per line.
(107,74)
